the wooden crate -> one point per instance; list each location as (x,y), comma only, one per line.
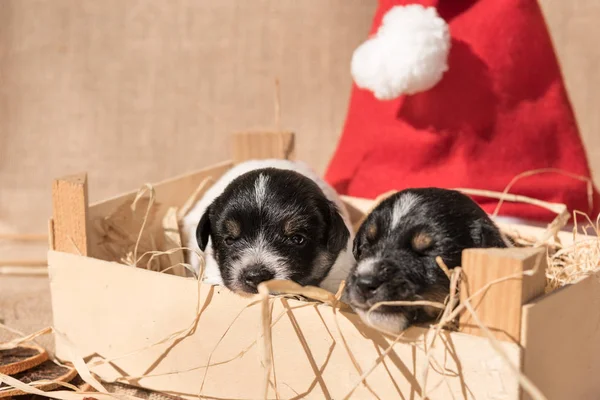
(161,331)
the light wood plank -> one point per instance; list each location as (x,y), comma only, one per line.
(171,240)
(500,306)
(469,366)
(70,214)
(561,336)
(260,145)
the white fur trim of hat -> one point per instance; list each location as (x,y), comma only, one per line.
(408,53)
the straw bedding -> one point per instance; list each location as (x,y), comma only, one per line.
(135,236)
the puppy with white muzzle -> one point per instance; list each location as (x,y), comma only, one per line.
(271,219)
(396,249)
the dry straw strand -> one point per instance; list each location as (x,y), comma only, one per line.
(75,245)
(219,342)
(314,293)
(277,106)
(590,188)
(61,395)
(568,264)
(193,199)
(560,209)
(450,310)
(351,355)
(75,358)
(263,291)
(22,337)
(147,187)
(452,301)
(274,385)
(368,372)
(525,382)
(443,266)
(173,336)
(129,378)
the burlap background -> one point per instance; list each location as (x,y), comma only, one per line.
(134,91)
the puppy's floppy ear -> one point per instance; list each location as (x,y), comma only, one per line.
(203,230)
(338,233)
(485,234)
(358,239)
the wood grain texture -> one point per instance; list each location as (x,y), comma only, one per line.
(500,306)
(51,234)
(561,335)
(70,214)
(257,145)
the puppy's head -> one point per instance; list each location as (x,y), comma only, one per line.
(272,224)
(396,249)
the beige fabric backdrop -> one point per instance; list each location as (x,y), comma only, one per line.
(134,91)
(138,91)
(575,31)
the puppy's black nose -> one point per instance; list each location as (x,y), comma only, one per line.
(367,285)
(254,275)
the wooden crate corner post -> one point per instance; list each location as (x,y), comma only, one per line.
(261,145)
(499,306)
(70,215)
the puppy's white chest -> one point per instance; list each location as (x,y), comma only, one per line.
(212,275)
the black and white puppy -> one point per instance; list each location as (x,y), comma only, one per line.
(271,219)
(396,248)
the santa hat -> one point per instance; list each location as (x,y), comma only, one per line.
(461,94)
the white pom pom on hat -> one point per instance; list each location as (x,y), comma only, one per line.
(407,55)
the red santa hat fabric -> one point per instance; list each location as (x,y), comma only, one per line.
(499,109)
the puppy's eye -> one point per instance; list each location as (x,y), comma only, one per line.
(372,232)
(421,242)
(298,240)
(229,241)
(386,269)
